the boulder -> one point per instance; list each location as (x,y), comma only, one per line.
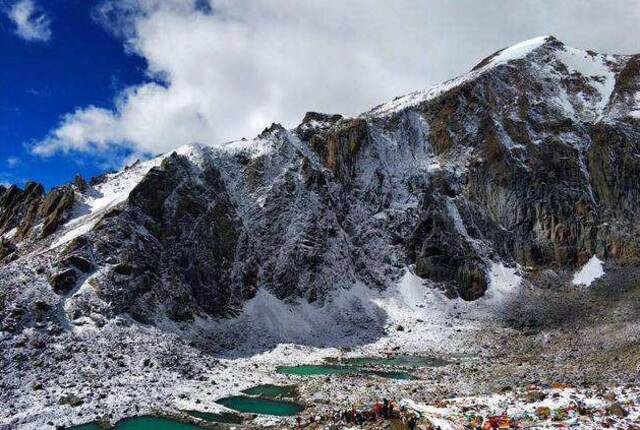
(617,410)
(543,412)
(79,262)
(71,400)
(6,248)
(62,282)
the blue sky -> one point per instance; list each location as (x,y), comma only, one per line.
(87,85)
(40,81)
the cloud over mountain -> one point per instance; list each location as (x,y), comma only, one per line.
(221,69)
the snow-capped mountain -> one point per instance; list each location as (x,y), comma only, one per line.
(530,160)
(460,218)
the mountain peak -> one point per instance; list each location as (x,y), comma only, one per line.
(518,51)
(503,56)
(585,79)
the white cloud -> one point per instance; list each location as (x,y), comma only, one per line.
(31,23)
(13,161)
(89,129)
(227,71)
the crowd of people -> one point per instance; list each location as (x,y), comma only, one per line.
(396,418)
(381,410)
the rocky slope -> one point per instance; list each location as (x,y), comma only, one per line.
(531,158)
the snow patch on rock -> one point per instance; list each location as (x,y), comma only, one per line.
(503,282)
(455,216)
(594,68)
(517,51)
(92,204)
(634,112)
(415,98)
(10,234)
(255,147)
(591,271)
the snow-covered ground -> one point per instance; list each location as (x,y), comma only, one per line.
(121,370)
(411,318)
(370,319)
(143,370)
(533,407)
(517,51)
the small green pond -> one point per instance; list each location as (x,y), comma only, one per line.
(323,370)
(272,391)
(142,423)
(412,361)
(257,405)
(153,423)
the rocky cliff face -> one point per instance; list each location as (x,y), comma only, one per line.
(530,159)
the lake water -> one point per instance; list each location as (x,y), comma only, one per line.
(272,391)
(85,427)
(324,370)
(153,423)
(263,406)
(143,423)
(266,399)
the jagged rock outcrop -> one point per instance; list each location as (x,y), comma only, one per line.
(24,210)
(315,121)
(178,227)
(55,208)
(442,251)
(19,208)
(339,146)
